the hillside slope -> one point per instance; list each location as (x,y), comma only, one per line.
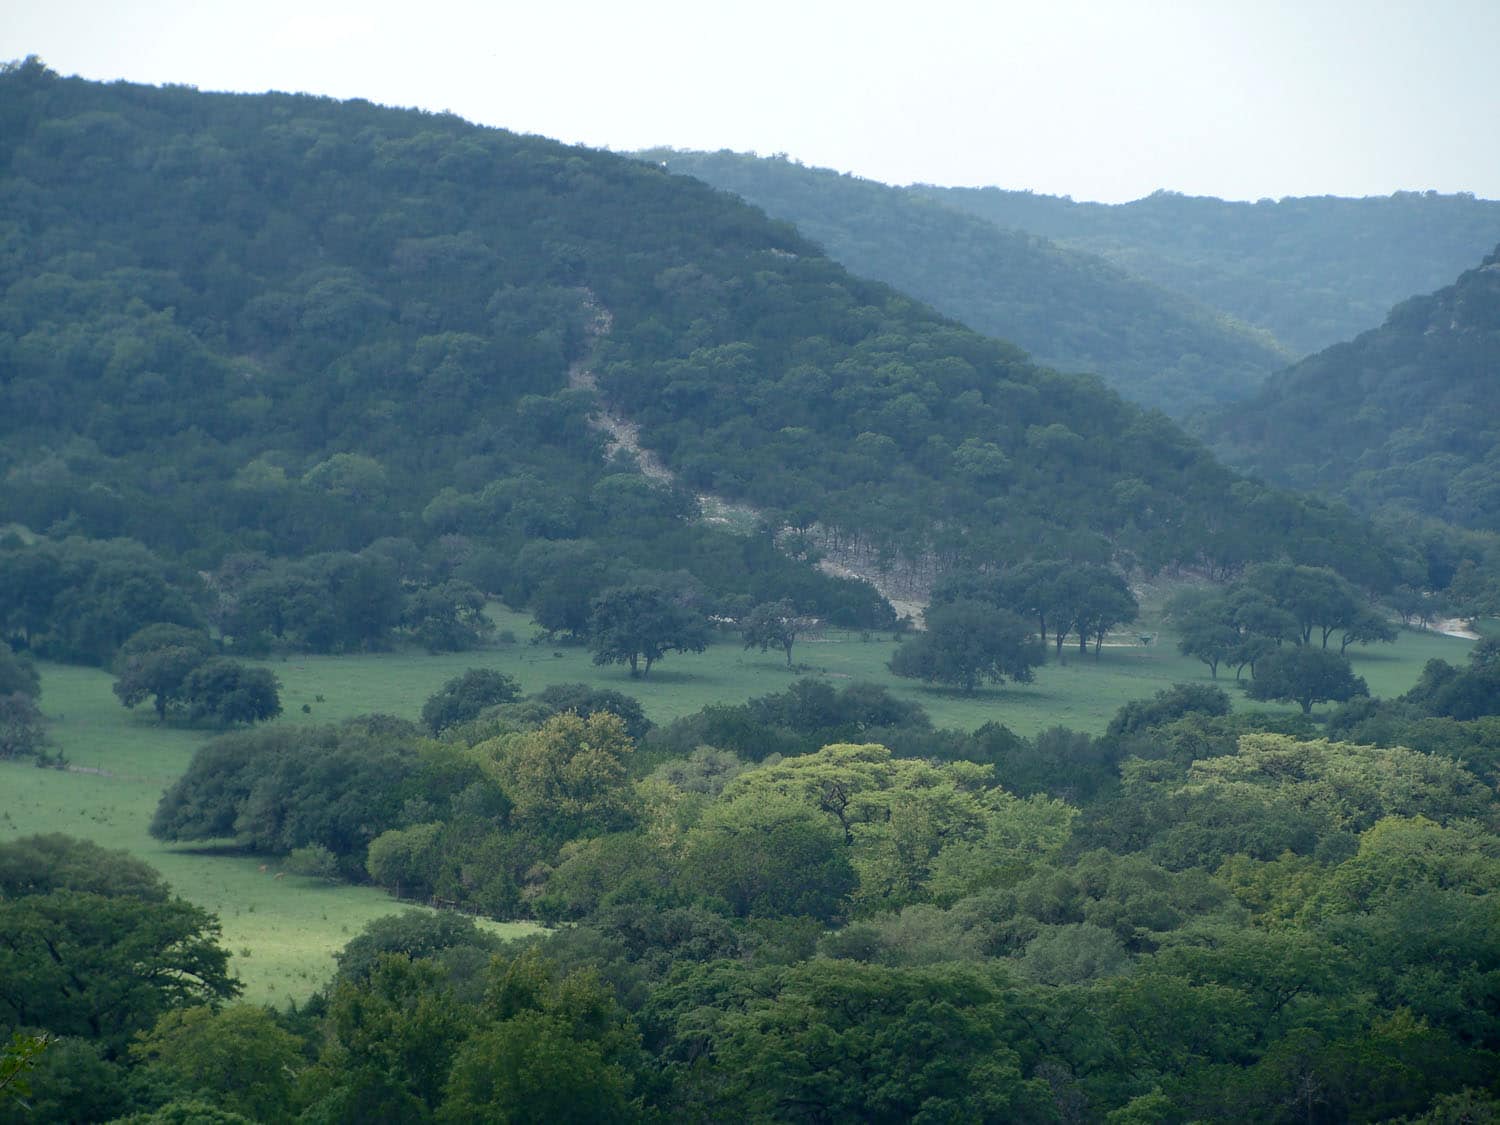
(284,324)
(1311,271)
(1404,416)
(1070,310)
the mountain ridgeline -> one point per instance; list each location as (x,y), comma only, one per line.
(1404,417)
(1071,310)
(282,325)
(1311,271)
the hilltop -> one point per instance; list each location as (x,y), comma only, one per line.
(249,327)
(1405,416)
(1310,271)
(1070,310)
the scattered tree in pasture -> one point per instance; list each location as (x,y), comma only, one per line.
(1305,675)
(156,662)
(23,729)
(226,692)
(639,624)
(969,642)
(773,625)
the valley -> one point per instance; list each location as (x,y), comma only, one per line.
(495,629)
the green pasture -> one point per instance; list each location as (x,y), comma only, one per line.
(1082,692)
(283,931)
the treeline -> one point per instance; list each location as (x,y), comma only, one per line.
(777,910)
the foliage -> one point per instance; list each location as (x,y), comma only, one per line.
(1073,311)
(79,599)
(448,617)
(1306,676)
(226,693)
(968,642)
(156,661)
(23,731)
(773,625)
(463,697)
(18,1057)
(18,675)
(417,934)
(284,788)
(638,625)
(568,776)
(363,395)
(236,1057)
(101,965)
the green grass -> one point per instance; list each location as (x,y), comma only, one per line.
(1079,692)
(283,932)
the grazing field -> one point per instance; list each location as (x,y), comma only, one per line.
(1081,692)
(284,930)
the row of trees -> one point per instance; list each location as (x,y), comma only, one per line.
(990,626)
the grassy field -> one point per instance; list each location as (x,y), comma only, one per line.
(1081,692)
(284,931)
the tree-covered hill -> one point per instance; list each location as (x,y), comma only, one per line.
(239,327)
(1071,310)
(1406,416)
(1312,271)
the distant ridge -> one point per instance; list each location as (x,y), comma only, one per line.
(1405,416)
(1311,271)
(1071,310)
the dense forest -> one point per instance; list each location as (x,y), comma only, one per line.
(312,353)
(1071,310)
(1195,916)
(1311,271)
(280,374)
(1405,417)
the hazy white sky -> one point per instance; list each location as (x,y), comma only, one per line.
(1090,98)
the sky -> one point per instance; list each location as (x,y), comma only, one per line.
(1099,100)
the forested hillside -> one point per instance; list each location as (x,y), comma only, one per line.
(323,350)
(1073,311)
(281,374)
(1311,271)
(1406,416)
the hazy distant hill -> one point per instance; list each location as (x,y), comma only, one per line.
(1311,271)
(1405,415)
(286,324)
(1070,310)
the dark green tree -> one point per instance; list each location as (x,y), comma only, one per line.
(639,624)
(236,1057)
(156,662)
(18,674)
(464,697)
(448,617)
(773,625)
(102,965)
(969,642)
(227,693)
(23,729)
(1305,675)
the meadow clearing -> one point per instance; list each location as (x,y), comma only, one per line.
(284,929)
